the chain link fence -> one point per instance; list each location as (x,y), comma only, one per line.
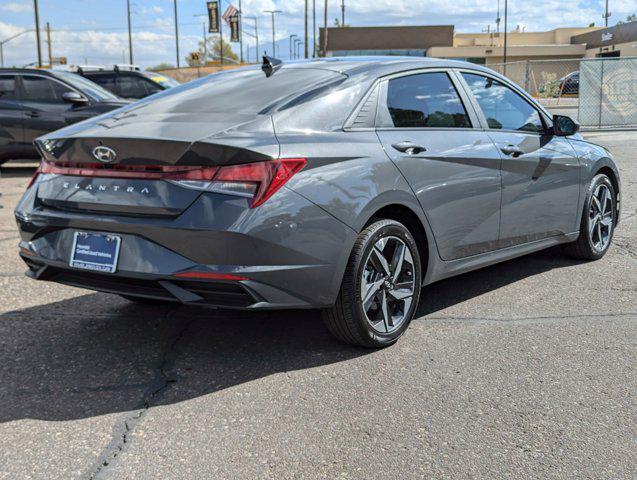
(608,92)
(599,92)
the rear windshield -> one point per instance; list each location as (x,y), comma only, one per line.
(244,91)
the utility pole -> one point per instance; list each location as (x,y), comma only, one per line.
(291,37)
(130,36)
(313,28)
(273,12)
(606,15)
(325,30)
(176,33)
(48,41)
(37,31)
(305,29)
(240,32)
(342,13)
(506,18)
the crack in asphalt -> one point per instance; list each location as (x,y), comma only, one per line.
(162,380)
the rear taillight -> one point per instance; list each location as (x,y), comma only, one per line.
(258,181)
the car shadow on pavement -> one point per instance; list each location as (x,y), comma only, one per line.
(449,292)
(97,354)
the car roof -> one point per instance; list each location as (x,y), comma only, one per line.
(40,71)
(380,65)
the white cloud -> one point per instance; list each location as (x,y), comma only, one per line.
(17,7)
(153,10)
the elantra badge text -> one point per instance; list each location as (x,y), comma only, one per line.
(105,188)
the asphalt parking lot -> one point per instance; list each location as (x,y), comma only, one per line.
(526,369)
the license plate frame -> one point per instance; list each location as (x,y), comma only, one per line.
(98,252)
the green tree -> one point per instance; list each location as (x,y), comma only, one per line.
(213,48)
(629,18)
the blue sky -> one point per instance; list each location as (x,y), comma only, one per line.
(94,31)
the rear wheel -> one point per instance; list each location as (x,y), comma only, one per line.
(598,221)
(381,287)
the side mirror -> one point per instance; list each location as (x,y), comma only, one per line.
(74,97)
(564,126)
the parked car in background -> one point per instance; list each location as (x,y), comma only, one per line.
(34,102)
(128,81)
(340,184)
(567,85)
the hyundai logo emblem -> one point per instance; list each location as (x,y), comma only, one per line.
(104,154)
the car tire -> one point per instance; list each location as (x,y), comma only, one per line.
(390,282)
(598,221)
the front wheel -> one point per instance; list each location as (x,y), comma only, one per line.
(380,289)
(598,221)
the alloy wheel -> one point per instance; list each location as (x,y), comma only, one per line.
(387,284)
(600,218)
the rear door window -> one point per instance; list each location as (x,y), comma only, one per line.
(425,100)
(131,87)
(8,87)
(41,89)
(503,108)
(106,81)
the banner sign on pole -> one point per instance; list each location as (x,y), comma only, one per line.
(213,17)
(234,28)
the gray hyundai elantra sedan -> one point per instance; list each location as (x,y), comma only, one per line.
(339,184)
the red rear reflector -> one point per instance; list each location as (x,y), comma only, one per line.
(209,276)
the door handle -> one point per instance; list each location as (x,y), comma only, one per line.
(512,151)
(32,114)
(408,147)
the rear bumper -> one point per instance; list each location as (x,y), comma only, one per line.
(291,252)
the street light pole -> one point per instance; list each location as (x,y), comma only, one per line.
(130,36)
(256,35)
(291,37)
(506,16)
(2,42)
(37,31)
(273,12)
(176,32)
(306,29)
(300,42)
(240,33)
(325,30)
(205,42)
(313,28)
